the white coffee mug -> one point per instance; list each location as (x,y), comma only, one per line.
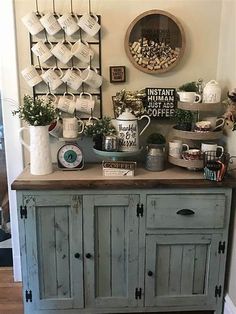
(82,51)
(31,76)
(52,78)
(216,123)
(176,148)
(42,51)
(67,104)
(50,24)
(56,128)
(85,104)
(72,79)
(91,77)
(61,52)
(68,23)
(71,127)
(190,97)
(32,22)
(89,23)
(212,147)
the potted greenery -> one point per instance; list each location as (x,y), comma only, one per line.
(98,129)
(38,113)
(189,87)
(183,119)
(156,139)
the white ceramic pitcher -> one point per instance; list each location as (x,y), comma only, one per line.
(126,125)
(39,148)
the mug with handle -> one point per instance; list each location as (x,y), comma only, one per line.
(89,24)
(85,104)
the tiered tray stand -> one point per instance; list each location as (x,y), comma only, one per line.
(195,136)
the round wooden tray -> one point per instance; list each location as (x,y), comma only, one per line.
(199,106)
(197,135)
(151,36)
(190,164)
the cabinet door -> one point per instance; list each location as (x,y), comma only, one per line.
(181,269)
(53,231)
(111,250)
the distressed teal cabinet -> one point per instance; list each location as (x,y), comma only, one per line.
(123,251)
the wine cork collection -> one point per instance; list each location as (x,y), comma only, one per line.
(153,55)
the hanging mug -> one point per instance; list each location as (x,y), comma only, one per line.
(66,104)
(32,22)
(50,24)
(91,77)
(89,24)
(71,127)
(72,79)
(82,51)
(68,23)
(85,104)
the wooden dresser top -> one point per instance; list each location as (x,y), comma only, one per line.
(91,177)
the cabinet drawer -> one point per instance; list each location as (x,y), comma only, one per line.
(186,211)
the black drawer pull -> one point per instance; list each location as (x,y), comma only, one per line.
(77,255)
(88,255)
(185,212)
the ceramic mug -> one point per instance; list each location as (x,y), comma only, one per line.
(41,50)
(192,154)
(85,104)
(31,76)
(216,123)
(71,127)
(51,78)
(89,24)
(72,79)
(190,97)
(68,23)
(212,147)
(176,148)
(50,24)
(67,104)
(61,52)
(32,22)
(91,77)
(56,128)
(82,51)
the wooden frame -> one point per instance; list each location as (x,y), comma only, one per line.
(117,74)
(159,27)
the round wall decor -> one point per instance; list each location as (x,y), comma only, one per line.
(155,41)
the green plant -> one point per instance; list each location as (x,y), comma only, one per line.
(100,127)
(189,87)
(36,112)
(183,119)
(156,138)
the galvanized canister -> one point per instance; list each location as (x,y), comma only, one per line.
(155,159)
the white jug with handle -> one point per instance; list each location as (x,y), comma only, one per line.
(126,125)
(212,92)
(39,148)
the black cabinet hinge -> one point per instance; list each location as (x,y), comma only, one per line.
(138,293)
(139,210)
(28,295)
(218,291)
(221,247)
(23,212)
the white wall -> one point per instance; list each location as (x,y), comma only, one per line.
(10,97)
(227,77)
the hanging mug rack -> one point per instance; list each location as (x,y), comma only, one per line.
(64,43)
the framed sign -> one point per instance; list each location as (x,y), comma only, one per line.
(117,74)
(160,102)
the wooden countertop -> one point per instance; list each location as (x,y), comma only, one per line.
(91,178)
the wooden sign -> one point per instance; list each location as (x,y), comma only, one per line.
(160,102)
(117,74)
(118,168)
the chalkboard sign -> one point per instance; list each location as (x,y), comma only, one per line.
(160,102)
